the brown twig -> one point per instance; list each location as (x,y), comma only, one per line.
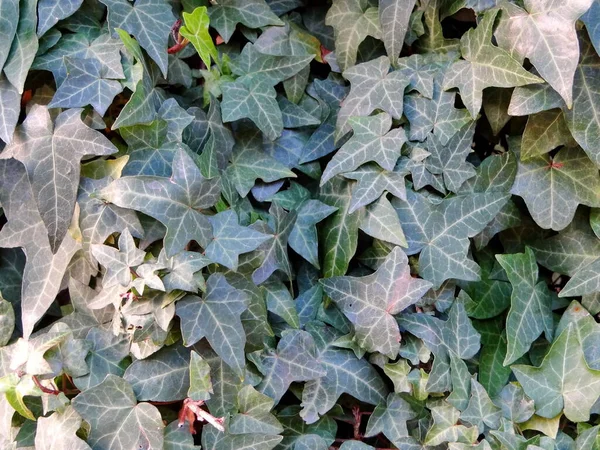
(192,411)
(180,41)
(43,388)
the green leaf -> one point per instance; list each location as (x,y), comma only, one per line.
(58,431)
(268,67)
(51,153)
(582,119)
(200,385)
(274,254)
(226,14)
(370,302)
(390,418)
(544,132)
(162,377)
(372,182)
(253,98)
(149,21)
(544,32)
(553,387)
(353,21)
(484,65)
(441,231)
(449,159)
(446,429)
(106,357)
(119,263)
(215,440)
(373,140)
(249,163)
(24,46)
(7,321)
(231,240)
(553,187)
(436,114)
(294,360)
(531,302)
(196,31)
(345,374)
(372,86)
(8,28)
(254,414)
(280,302)
(216,316)
(394,19)
(380,221)
(85,84)
(10,108)
(303,238)
(515,405)
(481,412)
(175,202)
(117,421)
(26,229)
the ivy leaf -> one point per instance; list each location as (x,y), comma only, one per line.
(303,238)
(340,230)
(370,302)
(253,98)
(113,402)
(51,153)
(372,141)
(372,182)
(162,377)
(372,86)
(86,84)
(106,355)
(390,418)
(545,33)
(254,414)
(446,429)
(444,247)
(58,431)
(196,31)
(437,114)
(8,8)
(249,163)
(215,440)
(345,374)
(25,228)
(10,108)
(274,251)
(481,412)
(230,240)
(216,316)
(553,187)
(98,219)
(380,221)
(51,12)
(199,374)
(553,387)
(293,360)
(544,132)
(353,21)
(485,65)
(24,46)
(119,263)
(394,18)
(149,21)
(582,119)
(226,14)
(449,159)
(175,202)
(268,67)
(530,312)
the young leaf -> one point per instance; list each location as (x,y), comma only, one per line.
(196,31)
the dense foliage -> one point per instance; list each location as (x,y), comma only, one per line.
(299,225)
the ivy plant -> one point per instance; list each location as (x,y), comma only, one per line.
(300,224)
